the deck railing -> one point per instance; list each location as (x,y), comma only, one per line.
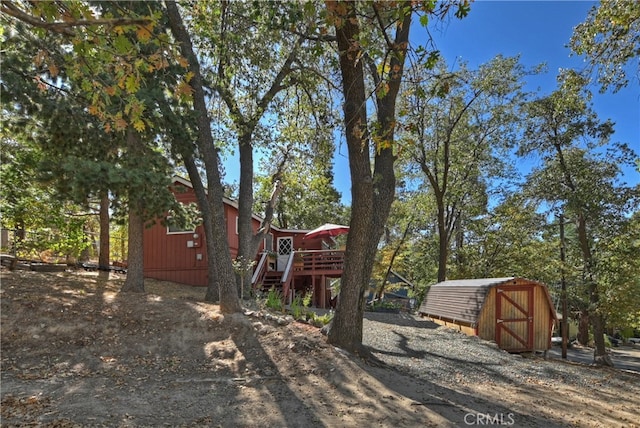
(287,277)
(318,261)
(261,268)
(306,262)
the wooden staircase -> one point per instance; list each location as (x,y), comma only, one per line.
(325,263)
(271,279)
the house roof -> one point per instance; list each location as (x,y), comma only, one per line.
(395,278)
(462,299)
(234,204)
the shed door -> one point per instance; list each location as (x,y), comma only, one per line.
(514,318)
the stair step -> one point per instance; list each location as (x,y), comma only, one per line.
(271,279)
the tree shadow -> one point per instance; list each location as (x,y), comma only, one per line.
(464,363)
(268,378)
(400,319)
(120,359)
(438,381)
(454,406)
(103,357)
(446,406)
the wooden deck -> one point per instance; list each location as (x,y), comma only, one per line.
(318,262)
(314,266)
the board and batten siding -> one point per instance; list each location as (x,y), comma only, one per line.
(182,256)
(169,256)
(470,306)
(542,320)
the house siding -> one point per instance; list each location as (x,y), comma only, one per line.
(486,319)
(544,318)
(168,256)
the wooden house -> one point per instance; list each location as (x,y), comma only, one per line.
(286,260)
(516,313)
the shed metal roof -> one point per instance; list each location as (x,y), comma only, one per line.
(460,299)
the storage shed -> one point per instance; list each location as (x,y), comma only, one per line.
(514,312)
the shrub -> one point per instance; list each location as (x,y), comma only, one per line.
(306,300)
(382,306)
(274,300)
(321,320)
(297,310)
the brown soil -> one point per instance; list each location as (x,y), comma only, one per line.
(77,352)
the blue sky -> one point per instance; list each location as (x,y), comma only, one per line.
(537,31)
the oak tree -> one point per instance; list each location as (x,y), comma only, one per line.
(372,40)
(579,174)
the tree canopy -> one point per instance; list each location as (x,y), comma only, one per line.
(609,39)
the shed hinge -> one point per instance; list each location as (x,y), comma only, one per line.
(499,321)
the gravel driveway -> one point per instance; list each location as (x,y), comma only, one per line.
(426,350)
(469,381)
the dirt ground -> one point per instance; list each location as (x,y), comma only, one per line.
(77,352)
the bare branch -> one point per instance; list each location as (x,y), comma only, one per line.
(383,28)
(65,27)
(312,38)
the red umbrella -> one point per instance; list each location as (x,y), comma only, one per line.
(326,231)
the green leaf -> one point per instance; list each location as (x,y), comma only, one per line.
(432,60)
(131,83)
(122,44)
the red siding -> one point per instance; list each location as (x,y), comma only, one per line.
(167,256)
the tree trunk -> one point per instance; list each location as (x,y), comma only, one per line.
(459,235)
(247,244)
(248,241)
(213,291)
(583,328)
(85,254)
(17,243)
(245,124)
(222,283)
(371,194)
(135,269)
(600,356)
(443,243)
(105,250)
(346,327)
(600,353)
(380,292)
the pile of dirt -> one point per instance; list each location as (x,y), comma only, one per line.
(77,352)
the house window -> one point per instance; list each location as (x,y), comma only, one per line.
(174,229)
(183,220)
(285,246)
